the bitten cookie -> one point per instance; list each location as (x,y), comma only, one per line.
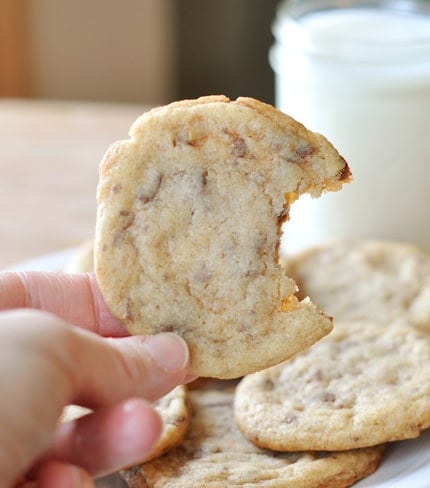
(188,224)
(216,455)
(366,383)
(366,280)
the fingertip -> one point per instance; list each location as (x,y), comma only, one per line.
(169,351)
(134,428)
(142,424)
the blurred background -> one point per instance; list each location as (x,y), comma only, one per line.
(135,51)
(74,75)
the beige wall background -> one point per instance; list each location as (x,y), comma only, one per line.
(119,50)
(144,51)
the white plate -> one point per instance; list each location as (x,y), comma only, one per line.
(406,464)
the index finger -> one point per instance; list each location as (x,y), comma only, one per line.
(76,298)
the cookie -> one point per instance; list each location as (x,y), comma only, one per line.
(365,384)
(216,455)
(133,478)
(82,259)
(174,411)
(189,217)
(366,279)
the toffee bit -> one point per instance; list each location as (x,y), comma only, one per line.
(149,196)
(290,303)
(128,219)
(291,197)
(305,151)
(328,397)
(289,419)
(345,173)
(240,148)
(129,316)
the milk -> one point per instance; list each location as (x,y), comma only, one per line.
(361,77)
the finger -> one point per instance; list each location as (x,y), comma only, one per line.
(147,366)
(116,369)
(56,474)
(84,368)
(108,439)
(74,297)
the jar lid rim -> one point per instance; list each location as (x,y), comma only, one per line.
(296,9)
(289,26)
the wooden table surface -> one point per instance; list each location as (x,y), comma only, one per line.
(49,158)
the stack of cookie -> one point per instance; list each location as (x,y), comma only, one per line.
(215,453)
(324,417)
(207,448)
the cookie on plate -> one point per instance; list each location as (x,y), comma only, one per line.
(216,455)
(174,411)
(366,383)
(366,279)
(189,217)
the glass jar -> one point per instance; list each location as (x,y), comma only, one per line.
(359,73)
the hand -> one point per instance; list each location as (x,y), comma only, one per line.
(46,364)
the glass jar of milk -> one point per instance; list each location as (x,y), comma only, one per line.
(359,73)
